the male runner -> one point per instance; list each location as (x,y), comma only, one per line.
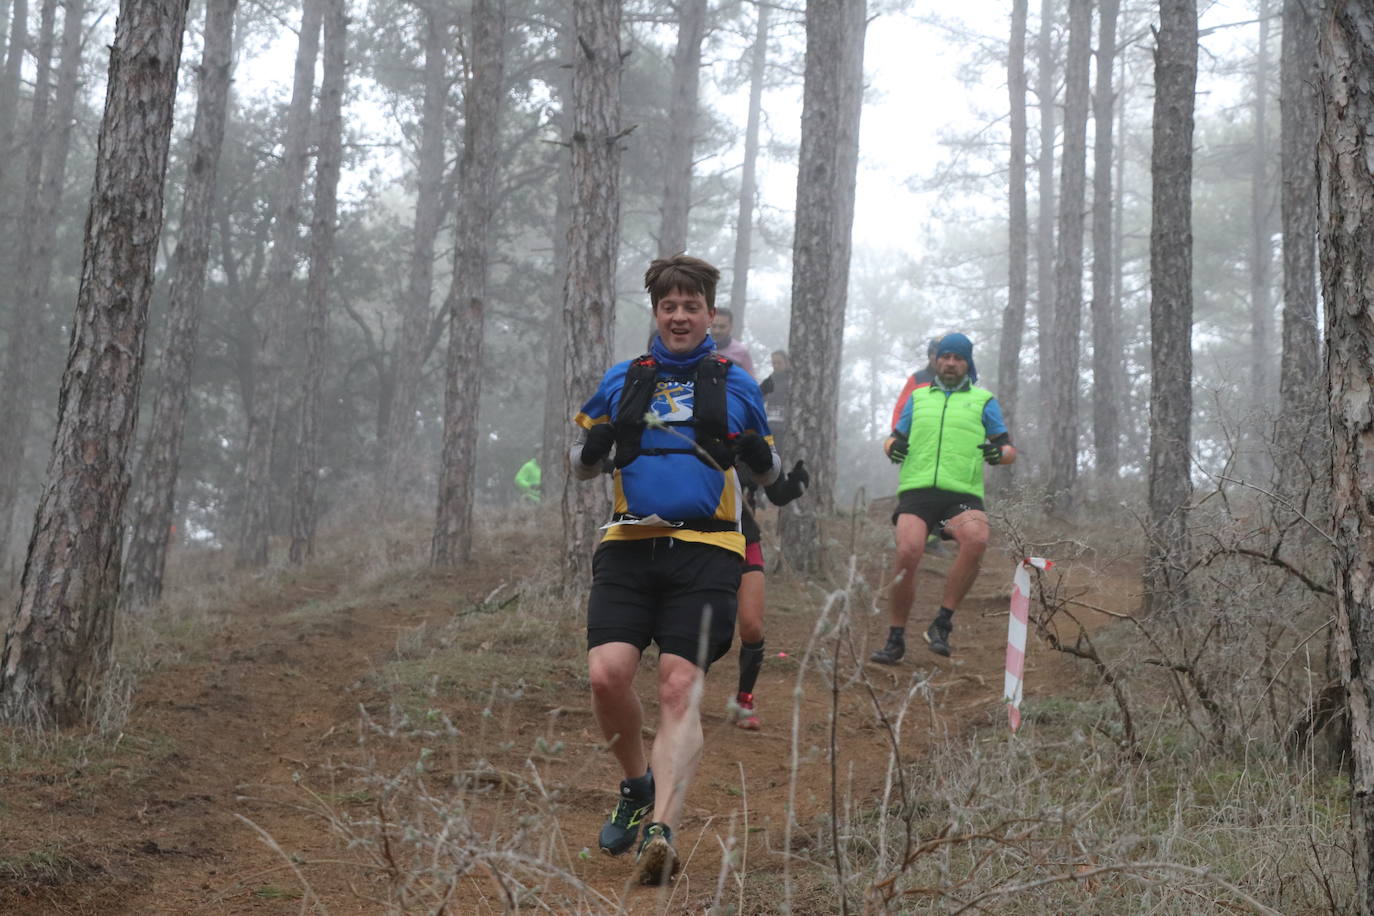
(946,431)
(777,394)
(722,327)
(918,379)
(527,480)
(668,569)
(751,590)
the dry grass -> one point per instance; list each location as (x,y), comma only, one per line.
(1065,817)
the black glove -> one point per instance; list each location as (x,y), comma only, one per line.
(992,453)
(785,489)
(755,451)
(598,443)
(897,454)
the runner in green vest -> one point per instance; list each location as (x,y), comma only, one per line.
(527,480)
(945,433)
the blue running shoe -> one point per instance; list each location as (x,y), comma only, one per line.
(658,862)
(621,829)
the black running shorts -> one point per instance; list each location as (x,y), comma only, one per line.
(935,507)
(659,590)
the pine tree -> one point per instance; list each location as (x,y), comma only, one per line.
(1107,356)
(1171,307)
(483,101)
(832,101)
(1301,433)
(1346,58)
(264,410)
(417,316)
(682,122)
(323,226)
(153,509)
(1061,376)
(593,243)
(1014,316)
(748,180)
(58,643)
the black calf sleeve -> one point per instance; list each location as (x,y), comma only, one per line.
(750,661)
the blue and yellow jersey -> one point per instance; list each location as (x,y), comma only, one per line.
(676,486)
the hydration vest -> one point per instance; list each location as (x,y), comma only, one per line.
(709,422)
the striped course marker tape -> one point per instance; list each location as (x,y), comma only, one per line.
(1017,625)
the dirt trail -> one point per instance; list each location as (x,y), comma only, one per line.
(161,825)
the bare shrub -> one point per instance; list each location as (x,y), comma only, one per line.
(419,832)
(1179,807)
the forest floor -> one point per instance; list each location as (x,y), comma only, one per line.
(364,735)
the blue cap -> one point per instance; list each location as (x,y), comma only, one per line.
(959,345)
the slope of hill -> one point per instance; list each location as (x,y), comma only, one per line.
(365,736)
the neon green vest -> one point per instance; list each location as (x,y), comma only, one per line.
(943,444)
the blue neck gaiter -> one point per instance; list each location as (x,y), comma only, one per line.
(684,363)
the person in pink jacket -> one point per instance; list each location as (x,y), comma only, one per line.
(731,349)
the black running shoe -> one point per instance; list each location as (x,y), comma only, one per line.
(657,862)
(622,827)
(938,637)
(891,653)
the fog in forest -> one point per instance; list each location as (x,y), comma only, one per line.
(930,237)
(320,351)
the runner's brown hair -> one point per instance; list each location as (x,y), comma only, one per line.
(689,274)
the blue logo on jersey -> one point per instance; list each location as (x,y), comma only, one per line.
(673,400)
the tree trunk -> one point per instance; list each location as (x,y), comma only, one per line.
(593,241)
(1036,441)
(1068,269)
(1126,403)
(271,350)
(1044,233)
(153,510)
(397,452)
(1014,315)
(1171,306)
(1107,355)
(478,172)
(324,223)
(682,120)
(1300,400)
(17,382)
(58,644)
(748,180)
(554,443)
(9,81)
(1261,311)
(1347,239)
(832,101)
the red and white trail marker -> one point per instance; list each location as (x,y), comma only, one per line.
(1017,625)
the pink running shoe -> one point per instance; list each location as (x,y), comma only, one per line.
(741,710)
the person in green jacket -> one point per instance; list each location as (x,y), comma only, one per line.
(944,435)
(527,480)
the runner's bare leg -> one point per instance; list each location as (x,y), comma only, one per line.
(677,746)
(611,667)
(911,534)
(970,530)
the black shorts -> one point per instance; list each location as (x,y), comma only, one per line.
(659,590)
(935,507)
